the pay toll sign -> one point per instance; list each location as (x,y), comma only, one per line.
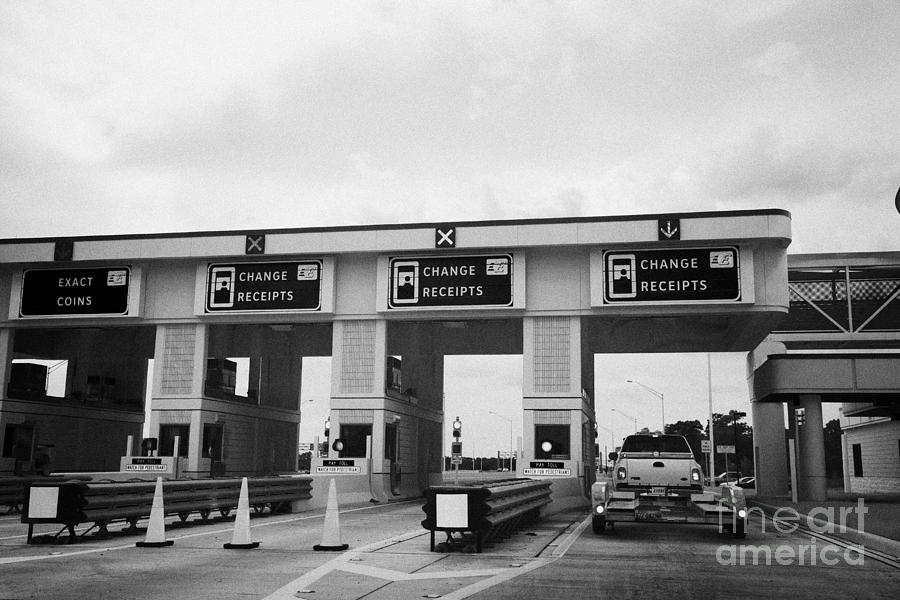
(269,286)
(450,281)
(672,275)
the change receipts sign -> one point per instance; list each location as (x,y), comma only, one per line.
(264,286)
(451,281)
(672,275)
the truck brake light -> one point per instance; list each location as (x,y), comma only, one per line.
(695,475)
(621,474)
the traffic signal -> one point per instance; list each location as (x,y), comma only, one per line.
(456,448)
(457,428)
(800,415)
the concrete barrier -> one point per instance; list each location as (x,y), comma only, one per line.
(70,503)
(485,511)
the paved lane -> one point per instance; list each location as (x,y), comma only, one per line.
(389,559)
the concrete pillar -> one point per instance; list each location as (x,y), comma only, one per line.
(769,450)
(811,459)
(845,457)
(552,386)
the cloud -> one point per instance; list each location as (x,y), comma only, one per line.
(767,165)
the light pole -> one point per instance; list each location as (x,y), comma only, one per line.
(508,420)
(662,401)
(612,444)
(627,417)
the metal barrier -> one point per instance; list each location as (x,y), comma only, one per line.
(485,511)
(12,489)
(70,503)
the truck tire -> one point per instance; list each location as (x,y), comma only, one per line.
(598,524)
(739,530)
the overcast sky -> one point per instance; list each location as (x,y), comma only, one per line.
(134,117)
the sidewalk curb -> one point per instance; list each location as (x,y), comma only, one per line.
(868,540)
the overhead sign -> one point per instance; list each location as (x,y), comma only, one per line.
(89,291)
(672,275)
(668,229)
(264,286)
(451,281)
(445,236)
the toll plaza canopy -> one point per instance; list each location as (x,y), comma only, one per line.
(226,317)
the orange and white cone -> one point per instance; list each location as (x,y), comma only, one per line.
(156,529)
(240,539)
(331,534)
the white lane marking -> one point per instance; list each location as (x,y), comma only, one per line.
(289,590)
(493,576)
(21,559)
(392,575)
(508,574)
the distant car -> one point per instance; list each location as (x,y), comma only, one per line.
(747,482)
(727,476)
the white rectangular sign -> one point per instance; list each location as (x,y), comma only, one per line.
(545,472)
(722,449)
(451,510)
(337,470)
(43,502)
(154,468)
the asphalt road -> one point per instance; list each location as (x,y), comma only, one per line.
(390,559)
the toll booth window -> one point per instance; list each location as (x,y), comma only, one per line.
(354,438)
(213,441)
(551,441)
(857,460)
(390,442)
(18,441)
(167,435)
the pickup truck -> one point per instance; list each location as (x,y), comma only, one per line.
(655,479)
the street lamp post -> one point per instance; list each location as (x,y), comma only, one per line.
(662,401)
(612,444)
(627,417)
(736,415)
(508,420)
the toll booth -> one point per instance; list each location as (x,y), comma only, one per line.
(213,327)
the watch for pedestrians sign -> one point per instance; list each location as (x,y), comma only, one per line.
(267,286)
(677,275)
(451,281)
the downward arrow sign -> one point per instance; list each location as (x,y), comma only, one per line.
(668,231)
(668,228)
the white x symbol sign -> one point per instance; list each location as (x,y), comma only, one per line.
(445,239)
(255,244)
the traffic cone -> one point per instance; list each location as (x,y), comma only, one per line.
(156,529)
(240,539)
(331,534)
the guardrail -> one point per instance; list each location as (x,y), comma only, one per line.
(71,503)
(484,511)
(12,489)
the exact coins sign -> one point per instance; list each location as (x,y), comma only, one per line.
(92,291)
(264,286)
(451,281)
(672,275)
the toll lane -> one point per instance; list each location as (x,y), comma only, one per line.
(688,561)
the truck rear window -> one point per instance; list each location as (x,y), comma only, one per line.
(650,443)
